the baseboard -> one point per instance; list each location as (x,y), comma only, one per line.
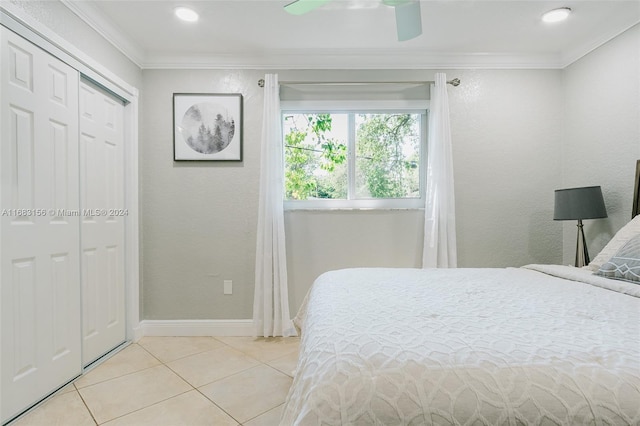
(196,328)
(137,333)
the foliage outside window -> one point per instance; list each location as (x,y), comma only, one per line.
(355,156)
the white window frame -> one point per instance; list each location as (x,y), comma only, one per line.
(354,107)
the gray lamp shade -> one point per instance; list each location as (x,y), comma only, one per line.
(579,203)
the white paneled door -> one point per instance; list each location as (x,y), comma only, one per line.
(103,222)
(39,225)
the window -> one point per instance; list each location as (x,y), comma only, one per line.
(354,159)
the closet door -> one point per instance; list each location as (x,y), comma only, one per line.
(39,224)
(103,226)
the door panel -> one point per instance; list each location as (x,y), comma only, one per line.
(40,272)
(102,189)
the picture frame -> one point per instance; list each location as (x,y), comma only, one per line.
(207,127)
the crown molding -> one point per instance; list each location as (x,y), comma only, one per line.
(330,58)
(92,16)
(576,54)
(354,59)
(38,33)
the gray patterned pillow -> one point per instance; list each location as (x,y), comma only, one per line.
(625,264)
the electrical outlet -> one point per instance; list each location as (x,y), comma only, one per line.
(228,287)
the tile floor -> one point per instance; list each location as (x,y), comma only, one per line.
(179,381)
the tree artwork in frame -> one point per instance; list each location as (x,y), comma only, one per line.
(207,127)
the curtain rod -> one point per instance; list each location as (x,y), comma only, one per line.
(455,82)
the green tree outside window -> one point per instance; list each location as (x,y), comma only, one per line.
(387,155)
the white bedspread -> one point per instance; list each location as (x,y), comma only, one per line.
(467,346)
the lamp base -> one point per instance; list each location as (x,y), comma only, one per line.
(582,254)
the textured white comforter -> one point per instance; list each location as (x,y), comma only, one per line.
(467,346)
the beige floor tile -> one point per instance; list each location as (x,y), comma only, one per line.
(287,364)
(63,409)
(250,393)
(65,389)
(270,418)
(125,394)
(206,367)
(263,349)
(168,349)
(146,394)
(129,360)
(190,408)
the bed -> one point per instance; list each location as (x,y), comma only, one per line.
(541,344)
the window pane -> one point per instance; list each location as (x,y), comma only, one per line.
(387,156)
(315,156)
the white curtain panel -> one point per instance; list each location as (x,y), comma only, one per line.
(439,250)
(271,298)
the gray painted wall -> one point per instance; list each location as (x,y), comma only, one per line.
(199,220)
(601,141)
(517,136)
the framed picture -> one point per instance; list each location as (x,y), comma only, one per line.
(207,127)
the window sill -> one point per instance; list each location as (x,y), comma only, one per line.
(354,205)
(351,209)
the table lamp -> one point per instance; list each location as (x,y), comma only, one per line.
(579,204)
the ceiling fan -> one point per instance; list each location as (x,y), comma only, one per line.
(408,21)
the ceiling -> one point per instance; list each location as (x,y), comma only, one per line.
(355,33)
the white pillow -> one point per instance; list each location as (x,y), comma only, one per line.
(626,233)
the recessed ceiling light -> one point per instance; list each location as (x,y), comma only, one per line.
(556,15)
(186,14)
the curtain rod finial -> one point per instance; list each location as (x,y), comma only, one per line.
(455,82)
(261,82)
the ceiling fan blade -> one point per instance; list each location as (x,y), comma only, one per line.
(300,7)
(408,21)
